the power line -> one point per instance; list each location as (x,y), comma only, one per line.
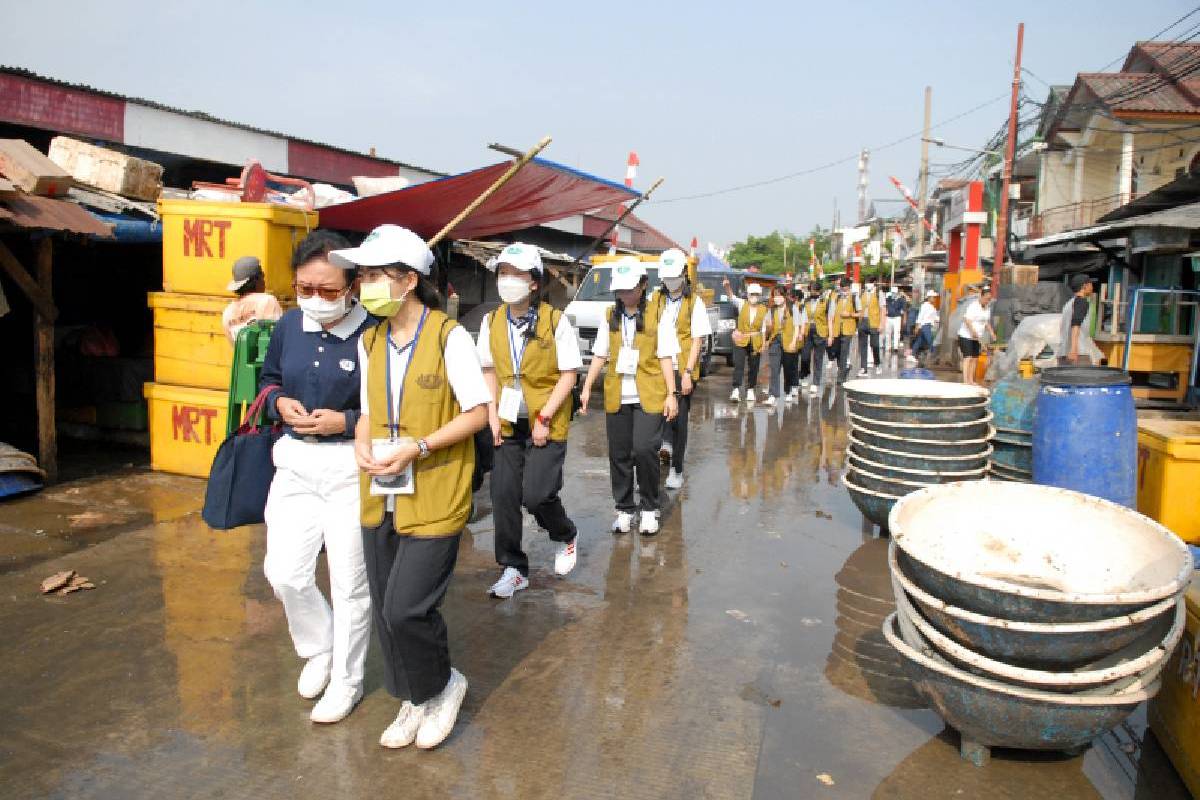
(1151,38)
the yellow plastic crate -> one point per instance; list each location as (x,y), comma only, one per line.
(190,348)
(1168,474)
(201,240)
(187,425)
(1175,712)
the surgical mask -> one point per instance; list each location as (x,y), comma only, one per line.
(376,298)
(754,298)
(323,311)
(512,289)
(778,301)
(673,284)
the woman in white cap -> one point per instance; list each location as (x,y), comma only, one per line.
(313,502)
(639,392)
(423,399)
(748,338)
(529,355)
(681,309)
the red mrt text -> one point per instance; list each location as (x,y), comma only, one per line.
(193,424)
(199,239)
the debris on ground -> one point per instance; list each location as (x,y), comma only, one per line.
(825,778)
(66,582)
(740,616)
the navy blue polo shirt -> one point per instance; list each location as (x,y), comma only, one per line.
(318,367)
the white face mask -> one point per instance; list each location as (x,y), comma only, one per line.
(512,289)
(673,284)
(778,301)
(323,311)
(754,298)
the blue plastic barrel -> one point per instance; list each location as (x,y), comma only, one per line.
(1085,433)
(917,373)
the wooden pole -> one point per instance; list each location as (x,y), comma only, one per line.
(1009,154)
(43,332)
(587,251)
(41,300)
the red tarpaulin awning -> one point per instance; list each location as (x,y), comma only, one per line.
(541,192)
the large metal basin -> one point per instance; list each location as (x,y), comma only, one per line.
(1036,553)
(919,415)
(879,483)
(919,447)
(923,476)
(873,505)
(1013,456)
(1002,470)
(932,431)
(1140,661)
(913,393)
(1028,644)
(933,463)
(996,714)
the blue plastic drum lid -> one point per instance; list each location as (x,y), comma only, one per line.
(1085,433)
(1014,403)
(917,373)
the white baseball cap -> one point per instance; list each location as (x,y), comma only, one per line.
(754,288)
(672,263)
(524,257)
(387,244)
(627,272)
(931,293)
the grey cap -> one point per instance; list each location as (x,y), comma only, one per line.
(245,269)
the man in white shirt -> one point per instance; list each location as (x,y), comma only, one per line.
(977,321)
(927,322)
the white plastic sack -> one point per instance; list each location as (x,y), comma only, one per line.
(1033,337)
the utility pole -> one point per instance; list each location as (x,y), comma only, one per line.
(1009,155)
(864,158)
(918,273)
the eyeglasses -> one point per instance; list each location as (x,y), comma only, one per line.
(305,290)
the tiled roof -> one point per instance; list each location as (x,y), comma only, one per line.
(1138,91)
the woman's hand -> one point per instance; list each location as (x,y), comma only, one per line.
(685,383)
(585,394)
(397,462)
(364,456)
(322,422)
(494,424)
(539,433)
(671,407)
(292,412)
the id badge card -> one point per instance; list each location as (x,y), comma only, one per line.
(627,361)
(510,404)
(392,484)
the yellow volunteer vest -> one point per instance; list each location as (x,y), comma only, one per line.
(844,319)
(787,329)
(871,301)
(539,367)
(652,391)
(683,326)
(441,500)
(750,320)
(818,315)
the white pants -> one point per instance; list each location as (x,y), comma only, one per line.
(314,501)
(891,339)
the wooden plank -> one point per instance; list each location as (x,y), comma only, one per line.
(108,170)
(43,302)
(30,171)
(43,328)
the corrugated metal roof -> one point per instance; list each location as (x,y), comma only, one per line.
(46,213)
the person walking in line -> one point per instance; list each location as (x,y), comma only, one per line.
(748,339)
(792,342)
(423,397)
(844,326)
(529,354)
(777,315)
(816,335)
(639,394)
(896,304)
(313,501)
(683,310)
(253,301)
(977,320)
(868,329)
(926,327)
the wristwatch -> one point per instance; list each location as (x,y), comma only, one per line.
(422,449)
(543,420)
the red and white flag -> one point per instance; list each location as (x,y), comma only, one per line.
(631,168)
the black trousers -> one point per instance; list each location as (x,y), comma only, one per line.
(524,475)
(812,357)
(409,576)
(842,344)
(745,366)
(675,432)
(634,438)
(791,371)
(865,336)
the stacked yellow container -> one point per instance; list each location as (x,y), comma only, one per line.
(192,357)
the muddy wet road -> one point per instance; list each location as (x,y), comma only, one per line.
(737,654)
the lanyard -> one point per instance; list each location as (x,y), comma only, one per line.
(517,358)
(674,307)
(406,351)
(628,340)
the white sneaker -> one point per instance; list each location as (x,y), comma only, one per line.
(814,388)
(749,395)
(511,581)
(674,479)
(770,401)
(623,522)
(336,704)
(878,370)
(862,373)
(403,730)
(665,451)
(564,557)
(315,676)
(648,524)
(441,712)
(735,396)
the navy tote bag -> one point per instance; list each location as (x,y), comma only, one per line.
(242,471)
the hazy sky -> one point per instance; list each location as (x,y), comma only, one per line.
(710,95)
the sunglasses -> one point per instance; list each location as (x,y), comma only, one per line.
(307,290)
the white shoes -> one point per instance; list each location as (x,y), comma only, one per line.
(336,704)
(862,373)
(814,389)
(441,712)
(674,479)
(749,395)
(648,524)
(665,451)
(511,581)
(315,676)
(770,401)
(564,558)
(878,370)
(403,730)
(735,396)
(623,522)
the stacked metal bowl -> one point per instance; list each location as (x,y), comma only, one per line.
(1030,616)
(909,434)
(1013,404)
